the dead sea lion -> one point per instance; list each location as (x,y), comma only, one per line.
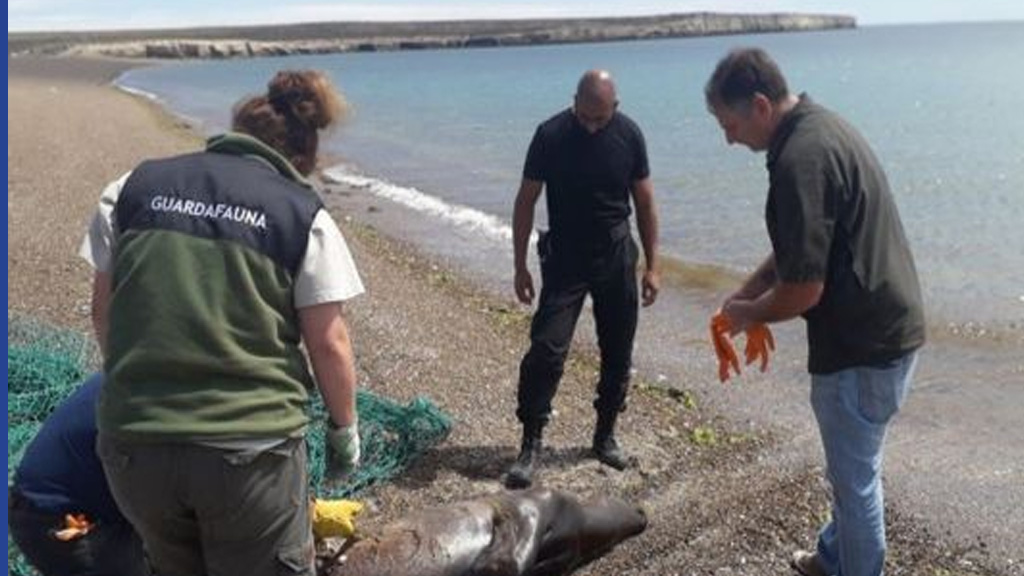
(528,533)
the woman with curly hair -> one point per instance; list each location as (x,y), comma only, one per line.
(211,270)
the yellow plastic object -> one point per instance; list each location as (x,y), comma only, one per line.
(334,518)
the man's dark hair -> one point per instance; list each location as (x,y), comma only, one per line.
(741,74)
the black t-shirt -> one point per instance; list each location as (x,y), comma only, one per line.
(831,218)
(587,176)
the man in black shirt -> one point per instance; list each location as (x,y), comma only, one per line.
(841,260)
(591,159)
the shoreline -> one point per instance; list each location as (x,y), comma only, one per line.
(336,37)
(412,330)
(709,279)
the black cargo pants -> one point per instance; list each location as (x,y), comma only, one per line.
(605,269)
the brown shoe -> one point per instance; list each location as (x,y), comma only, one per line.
(807,564)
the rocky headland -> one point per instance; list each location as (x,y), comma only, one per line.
(324,38)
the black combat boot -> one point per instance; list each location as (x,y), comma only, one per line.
(605,448)
(520,475)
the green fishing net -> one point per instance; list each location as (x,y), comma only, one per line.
(45,363)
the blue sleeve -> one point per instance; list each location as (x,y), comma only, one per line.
(60,471)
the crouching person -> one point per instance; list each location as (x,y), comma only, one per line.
(60,510)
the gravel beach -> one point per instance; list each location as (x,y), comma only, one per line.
(724,497)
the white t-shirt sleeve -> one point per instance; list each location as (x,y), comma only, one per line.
(98,244)
(327,272)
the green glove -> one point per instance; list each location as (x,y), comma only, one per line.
(343,448)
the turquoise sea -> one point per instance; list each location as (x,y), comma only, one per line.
(444,133)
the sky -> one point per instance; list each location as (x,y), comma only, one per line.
(51,15)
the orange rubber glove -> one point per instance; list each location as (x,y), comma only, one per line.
(724,350)
(75,526)
(760,344)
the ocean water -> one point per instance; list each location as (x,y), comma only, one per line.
(444,133)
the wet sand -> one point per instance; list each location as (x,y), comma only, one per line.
(737,504)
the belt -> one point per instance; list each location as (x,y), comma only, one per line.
(605,237)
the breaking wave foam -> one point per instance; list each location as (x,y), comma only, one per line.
(462,216)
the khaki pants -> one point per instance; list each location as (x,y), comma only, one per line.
(204,511)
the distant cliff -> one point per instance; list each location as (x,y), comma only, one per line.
(252,41)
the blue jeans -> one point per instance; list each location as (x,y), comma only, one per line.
(110,548)
(853,408)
